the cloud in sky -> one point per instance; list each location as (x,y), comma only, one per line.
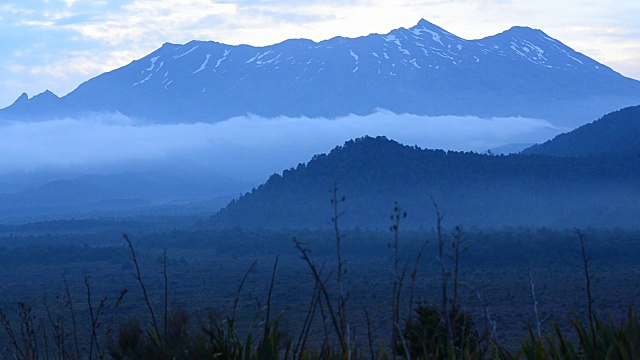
(251,147)
(59,44)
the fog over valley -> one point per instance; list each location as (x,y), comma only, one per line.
(248,148)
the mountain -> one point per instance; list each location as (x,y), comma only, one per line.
(173,185)
(421,70)
(507,149)
(470,188)
(615,133)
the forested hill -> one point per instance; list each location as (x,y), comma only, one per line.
(471,189)
(615,133)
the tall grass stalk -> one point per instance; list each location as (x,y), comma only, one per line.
(142,286)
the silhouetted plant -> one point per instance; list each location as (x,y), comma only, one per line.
(398,278)
(427,333)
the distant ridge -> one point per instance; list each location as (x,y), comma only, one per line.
(423,70)
(615,133)
(176,184)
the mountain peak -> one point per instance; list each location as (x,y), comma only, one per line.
(23,98)
(525,31)
(427,25)
(47,94)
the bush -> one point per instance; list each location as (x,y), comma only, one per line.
(426,334)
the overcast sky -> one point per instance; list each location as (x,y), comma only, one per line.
(58,44)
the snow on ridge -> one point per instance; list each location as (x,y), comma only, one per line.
(390,37)
(444,55)
(224,56)
(515,47)
(260,62)
(181,55)
(395,40)
(435,36)
(353,54)
(252,59)
(548,38)
(143,80)
(537,49)
(153,63)
(569,55)
(573,58)
(258,56)
(204,64)
(264,54)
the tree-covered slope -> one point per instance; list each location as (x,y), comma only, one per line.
(472,189)
(615,133)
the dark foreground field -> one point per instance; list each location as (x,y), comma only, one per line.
(205,270)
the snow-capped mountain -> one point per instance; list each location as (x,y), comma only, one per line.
(421,70)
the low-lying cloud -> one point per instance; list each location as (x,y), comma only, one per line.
(248,147)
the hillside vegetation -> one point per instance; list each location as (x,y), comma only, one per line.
(616,133)
(472,189)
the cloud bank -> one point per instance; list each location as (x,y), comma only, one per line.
(249,148)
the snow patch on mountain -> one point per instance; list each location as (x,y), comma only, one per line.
(224,57)
(186,53)
(204,64)
(143,80)
(153,63)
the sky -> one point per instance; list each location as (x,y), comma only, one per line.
(58,44)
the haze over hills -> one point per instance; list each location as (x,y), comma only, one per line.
(421,70)
(176,188)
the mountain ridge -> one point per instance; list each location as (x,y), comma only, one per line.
(423,70)
(616,133)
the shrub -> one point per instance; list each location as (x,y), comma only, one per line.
(426,335)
